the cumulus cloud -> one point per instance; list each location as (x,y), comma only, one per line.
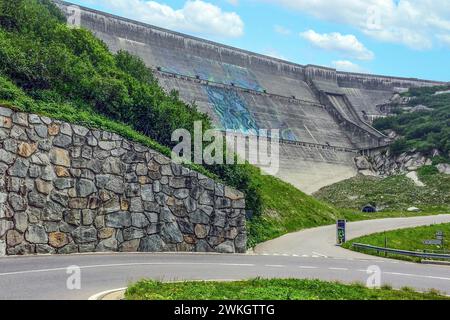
(413,23)
(348,45)
(345,65)
(195,16)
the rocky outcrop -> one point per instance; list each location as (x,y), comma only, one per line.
(383,163)
(443,168)
(66,188)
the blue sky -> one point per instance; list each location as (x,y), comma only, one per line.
(409,38)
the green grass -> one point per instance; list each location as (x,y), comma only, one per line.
(395,193)
(406,239)
(286,209)
(259,289)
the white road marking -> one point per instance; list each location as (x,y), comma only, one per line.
(340,269)
(129,265)
(274,266)
(307,267)
(319,254)
(439,278)
(417,276)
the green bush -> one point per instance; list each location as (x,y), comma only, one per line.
(44,63)
(427,170)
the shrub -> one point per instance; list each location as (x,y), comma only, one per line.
(43,62)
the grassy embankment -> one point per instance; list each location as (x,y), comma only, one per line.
(259,289)
(395,193)
(406,239)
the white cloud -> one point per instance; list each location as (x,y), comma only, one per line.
(348,45)
(233,2)
(413,23)
(445,39)
(282,30)
(196,16)
(345,65)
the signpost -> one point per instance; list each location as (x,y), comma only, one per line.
(432,242)
(341,232)
(439,241)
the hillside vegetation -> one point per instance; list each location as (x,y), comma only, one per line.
(424,131)
(394,193)
(49,68)
(68,74)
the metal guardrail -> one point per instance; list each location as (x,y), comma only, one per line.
(403,252)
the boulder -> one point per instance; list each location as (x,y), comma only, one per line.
(58,239)
(84,234)
(443,168)
(152,243)
(60,157)
(26,149)
(118,220)
(36,234)
(362,163)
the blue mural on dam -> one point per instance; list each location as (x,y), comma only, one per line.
(288,134)
(206,69)
(241,77)
(231,110)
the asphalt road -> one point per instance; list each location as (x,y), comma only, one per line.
(321,241)
(46,277)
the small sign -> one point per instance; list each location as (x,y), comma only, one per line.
(440,235)
(341,231)
(433,242)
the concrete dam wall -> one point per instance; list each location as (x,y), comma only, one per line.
(318,110)
(67,189)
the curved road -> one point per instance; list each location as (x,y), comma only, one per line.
(321,241)
(45,277)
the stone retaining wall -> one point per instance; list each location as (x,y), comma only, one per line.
(66,189)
